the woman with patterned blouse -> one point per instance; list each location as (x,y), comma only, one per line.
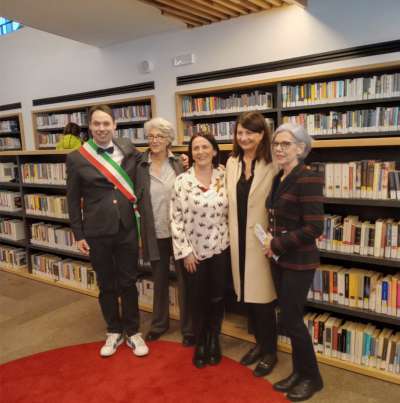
(199,225)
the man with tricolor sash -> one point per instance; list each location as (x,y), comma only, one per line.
(105,220)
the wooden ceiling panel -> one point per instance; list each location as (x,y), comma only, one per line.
(202,12)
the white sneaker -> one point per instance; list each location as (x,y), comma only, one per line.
(112,342)
(137,344)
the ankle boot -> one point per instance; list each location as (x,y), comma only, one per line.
(200,356)
(214,349)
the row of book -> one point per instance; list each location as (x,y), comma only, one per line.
(48,140)
(53,236)
(12,228)
(367,179)
(46,205)
(359,343)
(132,113)
(222,131)
(146,294)
(348,234)
(255,100)
(70,272)
(8,171)
(357,288)
(344,122)
(59,120)
(44,173)
(342,90)
(12,258)
(9,126)
(10,201)
(10,143)
(134,134)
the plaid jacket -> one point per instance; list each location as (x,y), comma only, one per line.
(296,218)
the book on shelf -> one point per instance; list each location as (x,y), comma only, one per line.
(359,343)
(342,90)
(12,229)
(70,272)
(45,205)
(53,236)
(8,171)
(60,120)
(380,239)
(366,179)
(134,134)
(357,288)
(230,103)
(44,173)
(12,258)
(10,201)
(132,113)
(9,143)
(48,140)
(379,119)
(9,126)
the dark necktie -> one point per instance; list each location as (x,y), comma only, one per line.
(108,150)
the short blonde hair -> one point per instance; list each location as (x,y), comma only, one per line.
(163,126)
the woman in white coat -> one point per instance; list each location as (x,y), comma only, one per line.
(249,175)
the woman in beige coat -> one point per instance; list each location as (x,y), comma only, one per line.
(249,175)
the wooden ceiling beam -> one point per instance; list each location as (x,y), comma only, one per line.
(184,14)
(275,3)
(200,11)
(232,6)
(211,9)
(221,8)
(188,9)
(248,4)
(188,22)
(301,3)
(260,3)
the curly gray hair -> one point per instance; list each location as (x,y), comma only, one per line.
(163,126)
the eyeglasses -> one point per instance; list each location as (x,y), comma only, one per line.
(156,138)
(284,145)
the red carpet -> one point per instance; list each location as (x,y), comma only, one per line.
(78,374)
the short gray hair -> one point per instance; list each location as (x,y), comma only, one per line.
(163,126)
(299,134)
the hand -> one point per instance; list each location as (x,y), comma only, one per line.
(83,246)
(190,263)
(185,161)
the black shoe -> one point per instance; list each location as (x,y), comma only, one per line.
(251,356)
(285,384)
(188,340)
(152,336)
(200,358)
(304,389)
(266,365)
(214,349)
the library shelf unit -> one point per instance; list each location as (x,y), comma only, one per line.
(130,116)
(12,132)
(377,139)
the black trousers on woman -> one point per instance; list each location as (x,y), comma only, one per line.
(206,288)
(292,287)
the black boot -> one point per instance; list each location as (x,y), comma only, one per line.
(200,357)
(214,349)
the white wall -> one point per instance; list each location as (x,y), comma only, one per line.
(35,64)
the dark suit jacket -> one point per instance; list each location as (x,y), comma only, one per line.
(104,206)
(296,218)
(147,230)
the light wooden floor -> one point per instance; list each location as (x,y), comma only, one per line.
(36,317)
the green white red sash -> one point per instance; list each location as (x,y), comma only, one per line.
(113,172)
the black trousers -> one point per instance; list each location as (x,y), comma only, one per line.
(115,260)
(292,287)
(160,268)
(262,322)
(206,287)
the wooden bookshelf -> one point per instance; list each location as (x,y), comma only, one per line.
(15,134)
(132,127)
